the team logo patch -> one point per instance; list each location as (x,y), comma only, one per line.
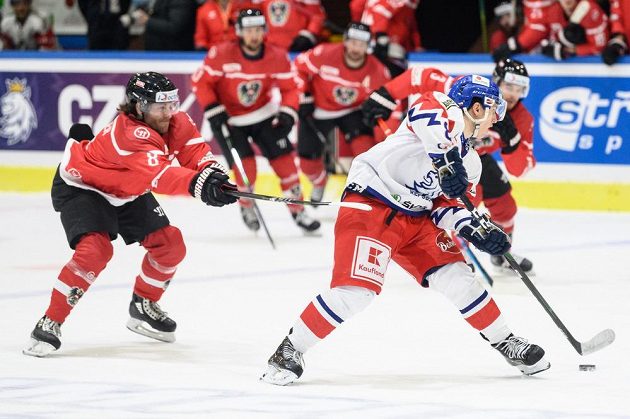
(74,172)
(345,95)
(141,133)
(480,80)
(248,92)
(278,13)
(74,296)
(18,117)
(370,260)
(445,243)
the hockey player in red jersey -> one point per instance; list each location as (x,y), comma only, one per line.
(294,25)
(412,180)
(103,187)
(215,22)
(619,31)
(561,29)
(336,79)
(234,87)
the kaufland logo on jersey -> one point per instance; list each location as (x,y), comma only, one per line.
(575,117)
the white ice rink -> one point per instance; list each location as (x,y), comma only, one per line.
(408,355)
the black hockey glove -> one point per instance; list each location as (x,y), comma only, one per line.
(615,48)
(303,41)
(217,117)
(555,50)
(503,51)
(381,46)
(210,185)
(283,123)
(380,104)
(573,33)
(307,106)
(510,137)
(81,132)
(451,173)
(494,242)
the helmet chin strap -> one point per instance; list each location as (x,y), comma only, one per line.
(477,122)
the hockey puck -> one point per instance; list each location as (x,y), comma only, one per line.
(587,367)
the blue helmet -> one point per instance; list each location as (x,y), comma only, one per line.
(466,88)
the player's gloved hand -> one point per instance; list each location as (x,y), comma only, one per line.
(380,104)
(494,242)
(217,117)
(307,106)
(615,48)
(381,46)
(303,41)
(451,173)
(283,123)
(510,137)
(210,185)
(503,51)
(573,33)
(81,132)
(554,50)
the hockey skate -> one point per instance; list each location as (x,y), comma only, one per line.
(305,222)
(317,194)
(527,357)
(502,265)
(285,365)
(44,338)
(148,319)
(249,218)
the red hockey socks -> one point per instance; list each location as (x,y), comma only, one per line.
(91,255)
(314,171)
(165,250)
(502,211)
(285,168)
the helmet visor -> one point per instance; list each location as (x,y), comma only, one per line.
(161,108)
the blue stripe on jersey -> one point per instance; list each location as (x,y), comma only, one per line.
(328,310)
(437,215)
(474,303)
(461,221)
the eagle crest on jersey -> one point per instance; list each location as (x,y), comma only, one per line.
(18,117)
(345,95)
(278,12)
(248,92)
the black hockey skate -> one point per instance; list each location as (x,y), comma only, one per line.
(501,264)
(305,222)
(527,357)
(148,319)
(250,219)
(285,365)
(44,338)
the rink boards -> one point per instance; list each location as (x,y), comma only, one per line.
(582,135)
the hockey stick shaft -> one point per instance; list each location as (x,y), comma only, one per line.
(353,205)
(239,166)
(384,126)
(475,260)
(599,341)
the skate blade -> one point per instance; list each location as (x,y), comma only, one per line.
(540,366)
(38,348)
(277,376)
(143,328)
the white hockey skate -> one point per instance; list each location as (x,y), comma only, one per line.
(44,338)
(248,214)
(285,366)
(148,319)
(305,222)
(527,357)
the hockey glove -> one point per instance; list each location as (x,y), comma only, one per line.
(305,40)
(381,46)
(555,50)
(283,123)
(451,173)
(81,132)
(217,117)
(510,137)
(494,242)
(503,51)
(210,185)
(307,106)
(615,48)
(573,33)
(380,104)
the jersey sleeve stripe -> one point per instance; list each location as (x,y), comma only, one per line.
(197,140)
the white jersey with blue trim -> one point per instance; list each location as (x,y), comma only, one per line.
(399,171)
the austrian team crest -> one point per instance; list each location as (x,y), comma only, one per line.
(248,92)
(345,95)
(18,117)
(278,13)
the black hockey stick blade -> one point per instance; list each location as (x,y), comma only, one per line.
(355,205)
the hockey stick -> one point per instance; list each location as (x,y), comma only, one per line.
(354,205)
(239,166)
(474,260)
(384,126)
(322,138)
(597,342)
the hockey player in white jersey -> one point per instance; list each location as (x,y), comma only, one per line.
(412,180)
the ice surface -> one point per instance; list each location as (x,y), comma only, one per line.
(408,355)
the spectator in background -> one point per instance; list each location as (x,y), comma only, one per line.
(293,25)
(505,13)
(169,25)
(106,30)
(25,29)
(619,31)
(215,22)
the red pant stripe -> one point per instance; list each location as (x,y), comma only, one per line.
(484,317)
(316,322)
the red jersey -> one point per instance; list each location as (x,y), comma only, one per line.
(419,80)
(547,20)
(336,88)
(620,17)
(287,18)
(215,25)
(396,18)
(128,158)
(521,160)
(244,85)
